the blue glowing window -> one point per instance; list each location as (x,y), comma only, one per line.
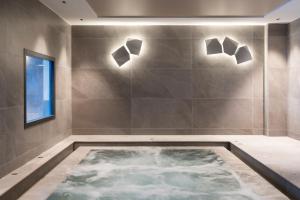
(39,88)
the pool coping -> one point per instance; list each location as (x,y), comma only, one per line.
(20,180)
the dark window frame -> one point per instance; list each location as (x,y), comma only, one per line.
(28,52)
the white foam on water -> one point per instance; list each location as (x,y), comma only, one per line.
(153,173)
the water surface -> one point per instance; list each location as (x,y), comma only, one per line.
(152,174)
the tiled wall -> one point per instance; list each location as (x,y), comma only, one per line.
(172,88)
(29,24)
(283,79)
(293,108)
(277,79)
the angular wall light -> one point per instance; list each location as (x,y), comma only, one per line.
(243,54)
(213,46)
(134,46)
(230,46)
(121,56)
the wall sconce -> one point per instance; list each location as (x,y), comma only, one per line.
(230,48)
(243,55)
(134,46)
(122,55)
(213,46)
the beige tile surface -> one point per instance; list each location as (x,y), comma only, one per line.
(31,25)
(167,84)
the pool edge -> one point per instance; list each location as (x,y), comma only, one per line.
(285,186)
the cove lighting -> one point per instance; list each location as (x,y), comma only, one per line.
(173,21)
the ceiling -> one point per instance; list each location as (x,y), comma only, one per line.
(184,8)
(182,12)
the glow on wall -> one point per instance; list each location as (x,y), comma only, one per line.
(39,88)
(122,54)
(230,47)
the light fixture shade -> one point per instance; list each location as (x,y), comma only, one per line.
(230,46)
(134,46)
(121,56)
(213,46)
(243,54)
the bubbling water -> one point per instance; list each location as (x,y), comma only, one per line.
(152,174)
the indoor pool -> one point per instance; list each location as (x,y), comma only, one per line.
(155,173)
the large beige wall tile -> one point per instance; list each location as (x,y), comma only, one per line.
(223,113)
(101,113)
(165,83)
(171,72)
(161,113)
(100,83)
(31,25)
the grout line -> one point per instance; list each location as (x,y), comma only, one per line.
(158,98)
(10,107)
(165,129)
(253,108)
(131,100)
(266,83)
(192,83)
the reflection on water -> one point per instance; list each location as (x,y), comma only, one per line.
(152,174)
